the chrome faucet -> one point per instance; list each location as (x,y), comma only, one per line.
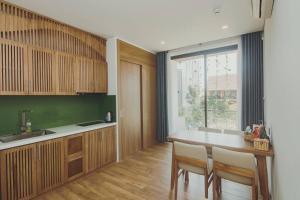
(24,120)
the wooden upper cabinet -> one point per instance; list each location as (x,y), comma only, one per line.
(40,56)
(41,71)
(65,76)
(18,173)
(100,76)
(13,68)
(84,75)
(50,164)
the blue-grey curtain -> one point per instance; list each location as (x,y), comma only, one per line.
(162,108)
(252,79)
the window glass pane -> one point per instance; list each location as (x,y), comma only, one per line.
(222,86)
(191,90)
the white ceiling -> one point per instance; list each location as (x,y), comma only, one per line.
(148,22)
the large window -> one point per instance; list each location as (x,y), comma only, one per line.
(208,90)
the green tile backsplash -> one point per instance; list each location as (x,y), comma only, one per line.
(53,111)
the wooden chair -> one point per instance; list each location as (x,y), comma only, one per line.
(233,166)
(233,132)
(192,158)
(213,130)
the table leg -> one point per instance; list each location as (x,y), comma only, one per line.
(172,167)
(263,176)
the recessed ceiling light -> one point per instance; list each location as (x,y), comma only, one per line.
(162,42)
(225,27)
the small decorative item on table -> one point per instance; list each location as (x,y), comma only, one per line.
(248,136)
(262,143)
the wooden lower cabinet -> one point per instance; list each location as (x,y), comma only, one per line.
(74,156)
(50,164)
(100,148)
(18,173)
(30,170)
(108,151)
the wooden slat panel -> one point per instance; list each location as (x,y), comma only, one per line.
(13,68)
(18,164)
(27,27)
(101,148)
(65,74)
(100,76)
(42,72)
(49,168)
(85,75)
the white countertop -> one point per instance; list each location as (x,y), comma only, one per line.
(61,131)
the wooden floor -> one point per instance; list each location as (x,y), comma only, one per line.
(145,175)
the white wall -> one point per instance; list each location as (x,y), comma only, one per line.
(112,62)
(282,96)
(111,56)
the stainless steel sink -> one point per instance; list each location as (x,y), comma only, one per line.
(10,138)
(91,123)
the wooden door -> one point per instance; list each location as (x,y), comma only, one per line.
(74,156)
(13,68)
(108,145)
(149,105)
(18,173)
(85,75)
(100,76)
(42,72)
(50,164)
(65,74)
(130,108)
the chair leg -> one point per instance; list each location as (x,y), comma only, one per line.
(176,181)
(187,179)
(172,168)
(206,185)
(215,183)
(220,185)
(254,192)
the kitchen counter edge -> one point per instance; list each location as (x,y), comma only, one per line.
(61,131)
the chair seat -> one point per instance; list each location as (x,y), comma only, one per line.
(197,170)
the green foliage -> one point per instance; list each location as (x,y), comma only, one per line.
(194,113)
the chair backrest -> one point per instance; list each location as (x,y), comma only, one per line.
(234,166)
(195,152)
(213,130)
(233,158)
(233,132)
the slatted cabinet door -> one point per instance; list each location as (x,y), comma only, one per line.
(65,74)
(101,148)
(13,68)
(94,146)
(108,151)
(18,173)
(42,76)
(50,164)
(100,76)
(84,75)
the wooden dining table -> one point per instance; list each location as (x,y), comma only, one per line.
(227,141)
